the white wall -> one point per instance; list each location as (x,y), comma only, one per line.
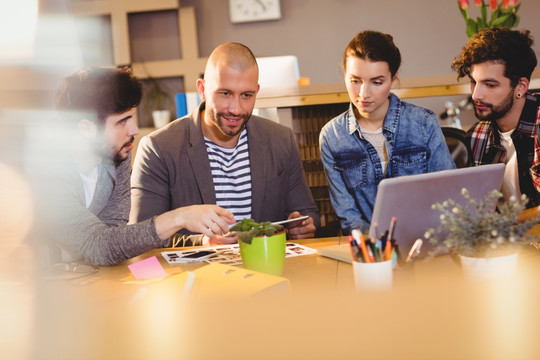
(429,33)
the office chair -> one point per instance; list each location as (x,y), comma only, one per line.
(455,140)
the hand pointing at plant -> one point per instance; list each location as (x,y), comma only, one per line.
(302,230)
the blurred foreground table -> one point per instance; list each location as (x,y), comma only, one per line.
(431,312)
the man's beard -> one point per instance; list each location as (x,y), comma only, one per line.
(106,151)
(217,119)
(497,111)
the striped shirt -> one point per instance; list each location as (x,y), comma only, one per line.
(232,176)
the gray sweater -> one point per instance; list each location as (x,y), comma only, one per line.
(98,234)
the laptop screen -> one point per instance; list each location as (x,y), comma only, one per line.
(410,198)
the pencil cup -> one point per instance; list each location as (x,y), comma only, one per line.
(375,276)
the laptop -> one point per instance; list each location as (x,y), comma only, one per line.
(409,200)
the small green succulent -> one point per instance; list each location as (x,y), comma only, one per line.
(247,229)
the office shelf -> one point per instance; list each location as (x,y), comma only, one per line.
(307,122)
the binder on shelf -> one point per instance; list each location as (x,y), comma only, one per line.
(186,103)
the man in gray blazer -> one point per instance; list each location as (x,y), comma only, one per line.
(85,186)
(223,154)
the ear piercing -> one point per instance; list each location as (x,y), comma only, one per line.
(519,95)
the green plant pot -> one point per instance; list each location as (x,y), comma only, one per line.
(265,253)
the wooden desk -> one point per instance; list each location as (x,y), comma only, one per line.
(430,313)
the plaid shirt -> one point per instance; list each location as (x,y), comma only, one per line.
(485,143)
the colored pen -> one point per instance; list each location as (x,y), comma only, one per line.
(355,249)
(384,238)
(379,249)
(415,250)
(357,252)
(357,235)
(398,255)
(394,259)
(388,248)
(371,245)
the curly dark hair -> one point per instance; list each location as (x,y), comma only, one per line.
(513,48)
(374,46)
(102,91)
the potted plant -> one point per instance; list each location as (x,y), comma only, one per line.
(481,237)
(262,245)
(158,101)
(503,14)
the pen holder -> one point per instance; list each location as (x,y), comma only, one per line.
(375,276)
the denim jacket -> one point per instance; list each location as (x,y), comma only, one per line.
(414,143)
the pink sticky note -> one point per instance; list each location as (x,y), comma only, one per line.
(147,269)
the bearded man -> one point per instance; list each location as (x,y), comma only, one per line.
(499,63)
(83,191)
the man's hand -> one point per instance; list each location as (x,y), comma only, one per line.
(220,240)
(304,230)
(209,220)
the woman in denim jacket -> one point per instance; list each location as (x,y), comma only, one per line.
(380,136)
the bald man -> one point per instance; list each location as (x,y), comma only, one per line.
(222,154)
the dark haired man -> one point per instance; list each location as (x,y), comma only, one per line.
(499,62)
(87,191)
(221,154)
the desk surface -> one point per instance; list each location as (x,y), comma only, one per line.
(430,313)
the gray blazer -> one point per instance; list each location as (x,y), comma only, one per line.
(172,169)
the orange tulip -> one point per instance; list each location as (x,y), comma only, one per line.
(478,3)
(512,3)
(505,4)
(493,5)
(464,4)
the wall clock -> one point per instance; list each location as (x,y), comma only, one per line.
(254,10)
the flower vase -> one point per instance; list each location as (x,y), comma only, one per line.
(489,268)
